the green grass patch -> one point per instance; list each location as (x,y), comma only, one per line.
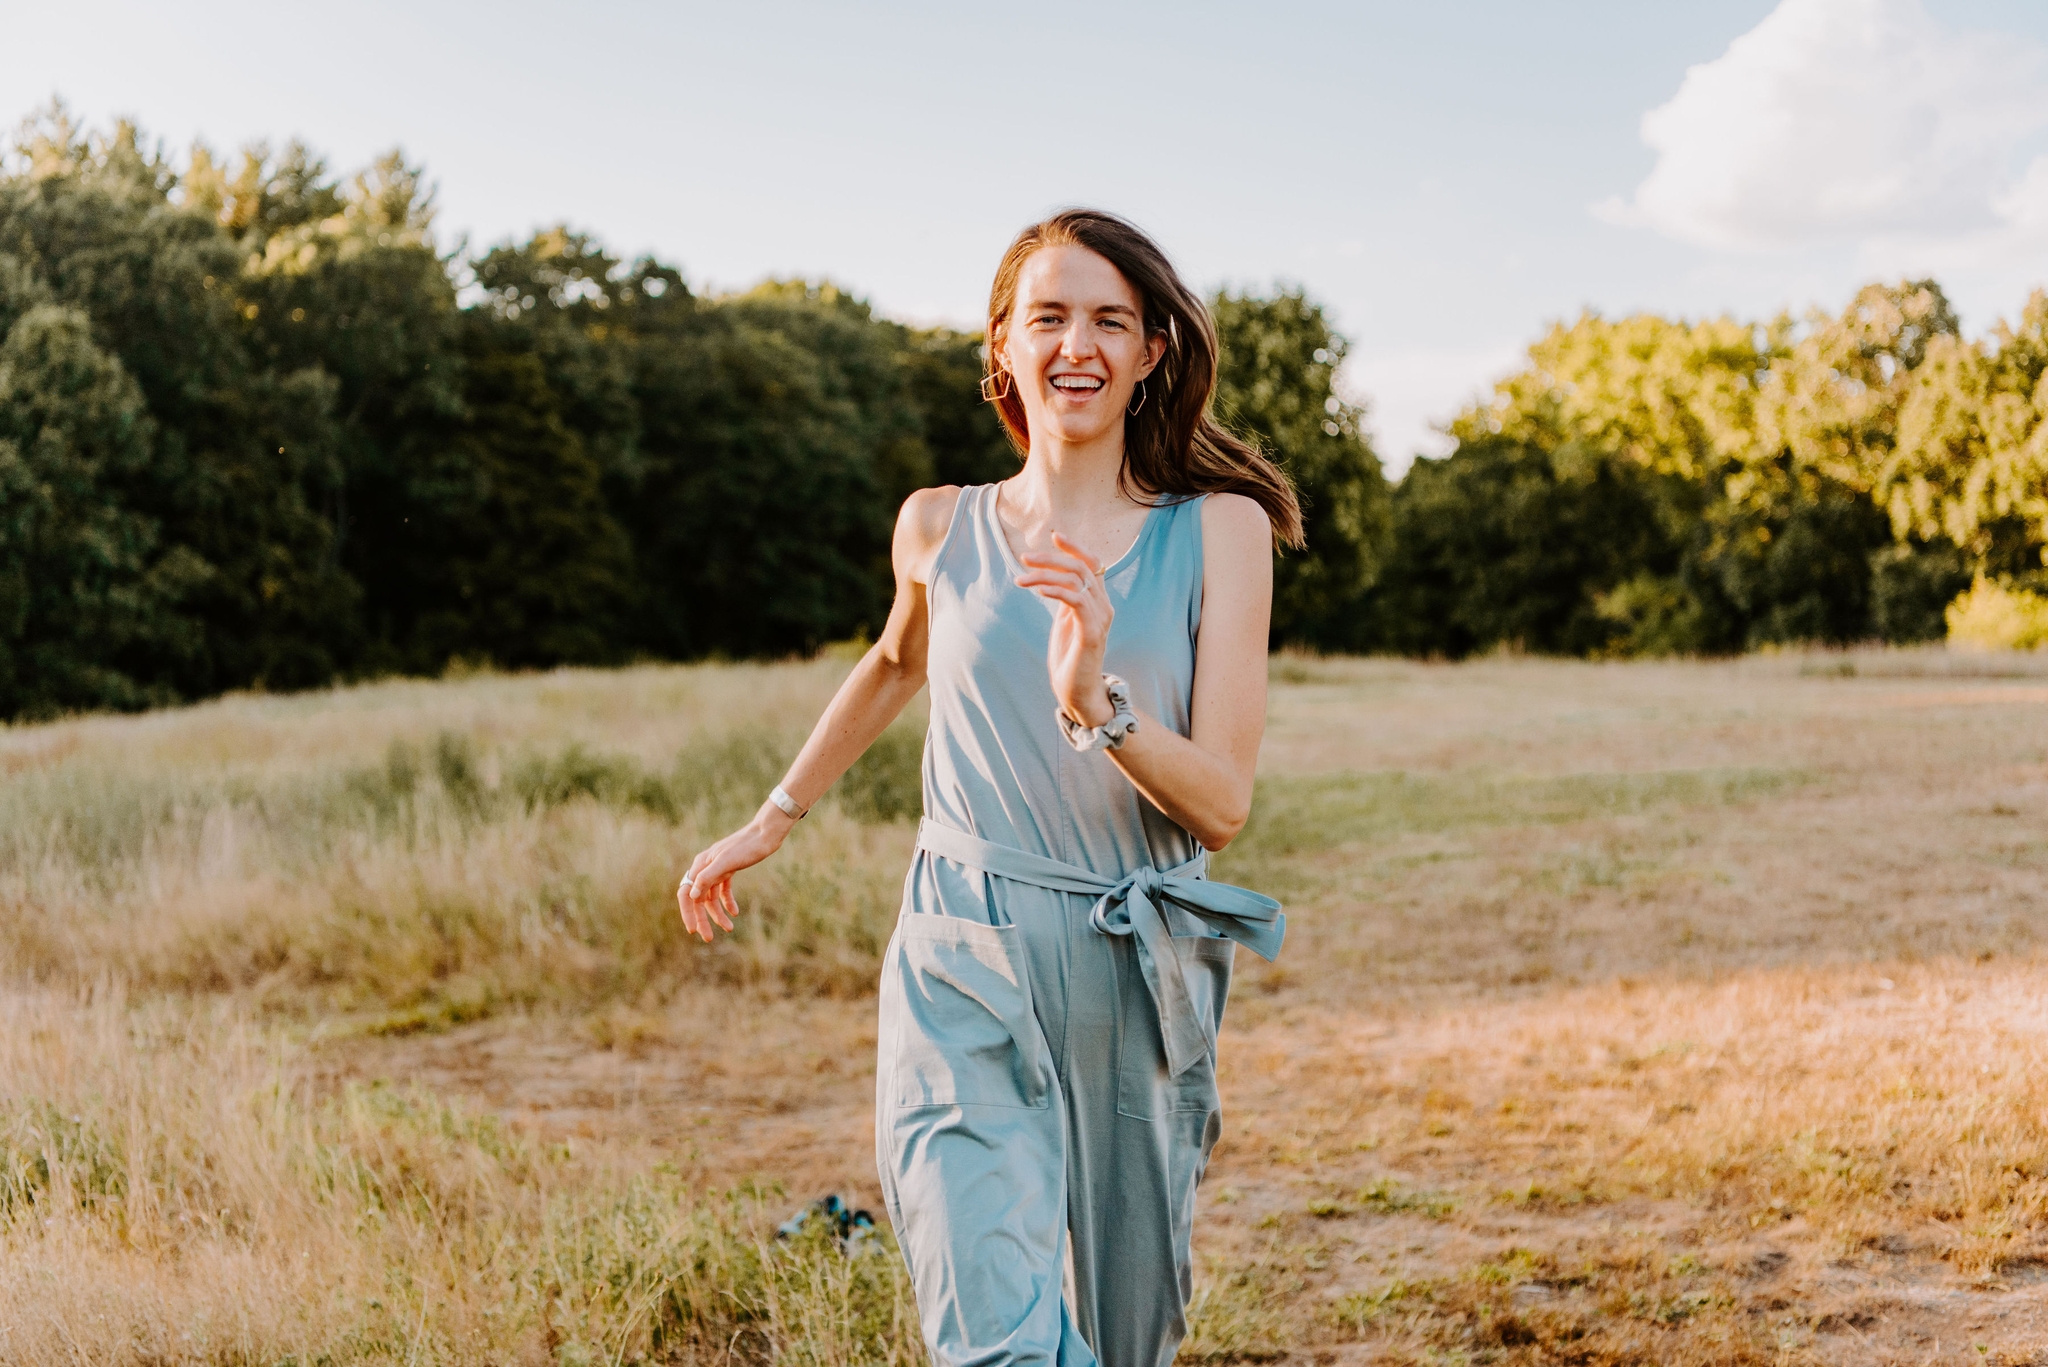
(1308,813)
(102,820)
(1384,1196)
(1238,1313)
(1358,1310)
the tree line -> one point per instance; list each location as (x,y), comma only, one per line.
(1650,486)
(257,429)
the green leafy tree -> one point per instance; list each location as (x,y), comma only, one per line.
(1765,444)
(571,299)
(241,455)
(1504,543)
(1971,457)
(256,429)
(1275,386)
(343,279)
(860,360)
(92,611)
(762,512)
(513,555)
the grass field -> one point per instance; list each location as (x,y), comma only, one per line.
(1678,1013)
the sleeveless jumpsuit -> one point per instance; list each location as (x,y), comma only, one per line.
(1046,1090)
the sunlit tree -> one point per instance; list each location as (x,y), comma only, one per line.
(1276,384)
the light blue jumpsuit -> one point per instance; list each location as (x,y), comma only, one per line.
(1050,1000)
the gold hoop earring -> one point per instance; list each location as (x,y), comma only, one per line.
(1142,396)
(989,395)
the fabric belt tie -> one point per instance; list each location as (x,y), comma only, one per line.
(1131,906)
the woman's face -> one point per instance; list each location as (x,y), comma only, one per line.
(1075,344)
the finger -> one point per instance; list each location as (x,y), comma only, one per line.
(693,919)
(704,857)
(1061,564)
(1078,552)
(705,873)
(1089,581)
(1049,581)
(730,910)
(683,910)
(715,903)
(1077,582)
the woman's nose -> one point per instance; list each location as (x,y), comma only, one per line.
(1077,343)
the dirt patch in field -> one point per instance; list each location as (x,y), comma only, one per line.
(731,1086)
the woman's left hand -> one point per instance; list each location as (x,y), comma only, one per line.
(1070,580)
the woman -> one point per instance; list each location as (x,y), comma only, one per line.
(1094,633)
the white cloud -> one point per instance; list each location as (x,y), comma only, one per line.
(1856,122)
(1409,395)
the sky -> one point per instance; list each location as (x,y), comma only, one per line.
(1446,179)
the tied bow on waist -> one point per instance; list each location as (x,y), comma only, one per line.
(1137,905)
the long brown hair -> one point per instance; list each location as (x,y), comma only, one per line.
(1173,446)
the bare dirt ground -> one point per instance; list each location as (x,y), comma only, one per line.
(1675,1013)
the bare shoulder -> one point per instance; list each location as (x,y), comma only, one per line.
(921,529)
(1236,530)
(928,512)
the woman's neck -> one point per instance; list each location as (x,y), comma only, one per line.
(1063,482)
(1076,491)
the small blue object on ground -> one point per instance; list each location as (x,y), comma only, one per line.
(853,1229)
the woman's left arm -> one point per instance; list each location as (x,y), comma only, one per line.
(1204,780)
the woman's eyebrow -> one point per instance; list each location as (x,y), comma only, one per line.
(1100,309)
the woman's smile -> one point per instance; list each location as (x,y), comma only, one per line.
(1078,388)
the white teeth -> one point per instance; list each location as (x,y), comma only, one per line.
(1079,382)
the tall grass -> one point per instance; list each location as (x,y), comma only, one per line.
(173,1191)
(444,879)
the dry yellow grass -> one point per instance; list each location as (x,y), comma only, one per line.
(1708,1031)
(172,1192)
(434,852)
(1648,1012)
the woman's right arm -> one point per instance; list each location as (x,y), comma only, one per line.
(877,690)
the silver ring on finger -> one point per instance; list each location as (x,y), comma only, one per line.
(686,884)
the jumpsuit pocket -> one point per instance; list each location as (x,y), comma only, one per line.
(965,1033)
(1143,1089)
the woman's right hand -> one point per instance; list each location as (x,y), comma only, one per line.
(705,894)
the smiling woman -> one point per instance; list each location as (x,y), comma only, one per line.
(1093,630)
(1172,444)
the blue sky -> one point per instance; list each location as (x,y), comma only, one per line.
(1446,178)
